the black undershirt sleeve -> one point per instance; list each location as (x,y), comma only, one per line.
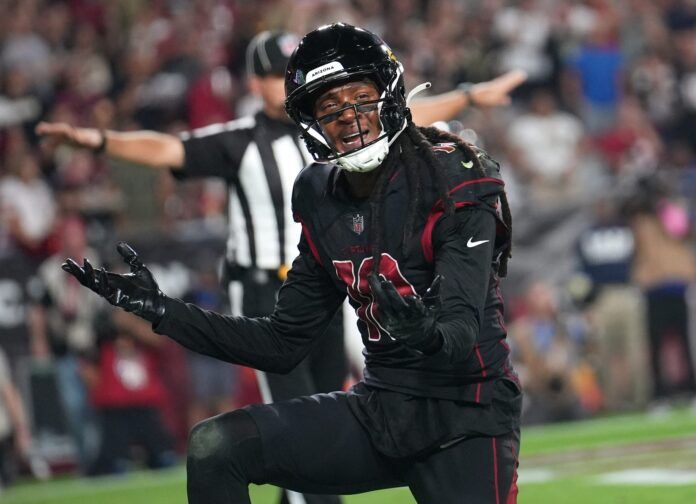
(213,155)
(463,245)
(306,303)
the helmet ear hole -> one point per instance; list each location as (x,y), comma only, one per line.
(392,115)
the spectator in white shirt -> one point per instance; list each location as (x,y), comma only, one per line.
(544,147)
(28,205)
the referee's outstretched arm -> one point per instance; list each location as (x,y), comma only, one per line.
(147,148)
(487,94)
(160,150)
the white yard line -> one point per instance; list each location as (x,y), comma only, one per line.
(648,476)
(530,476)
(603,452)
(667,462)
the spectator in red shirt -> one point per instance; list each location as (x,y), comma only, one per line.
(127,391)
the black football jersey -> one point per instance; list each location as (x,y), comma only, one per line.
(337,229)
(335,259)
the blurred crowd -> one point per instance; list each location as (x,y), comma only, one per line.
(598,151)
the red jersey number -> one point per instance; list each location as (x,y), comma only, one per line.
(359,290)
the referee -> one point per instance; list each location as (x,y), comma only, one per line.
(260,157)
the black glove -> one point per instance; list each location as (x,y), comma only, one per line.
(409,319)
(135,292)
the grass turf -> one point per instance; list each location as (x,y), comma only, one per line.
(559,463)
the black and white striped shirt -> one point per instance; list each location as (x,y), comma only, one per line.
(260,158)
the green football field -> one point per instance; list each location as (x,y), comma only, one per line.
(622,459)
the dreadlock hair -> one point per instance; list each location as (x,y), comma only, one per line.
(414,149)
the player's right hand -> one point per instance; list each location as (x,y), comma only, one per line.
(88,138)
(409,319)
(136,292)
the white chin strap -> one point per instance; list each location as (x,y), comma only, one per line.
(366,159)
(370,157)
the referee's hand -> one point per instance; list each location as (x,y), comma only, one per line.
(57,133)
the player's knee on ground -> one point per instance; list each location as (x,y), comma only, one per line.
(228,442)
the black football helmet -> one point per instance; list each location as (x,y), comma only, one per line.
(335,54)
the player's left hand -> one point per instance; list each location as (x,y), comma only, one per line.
(409,319)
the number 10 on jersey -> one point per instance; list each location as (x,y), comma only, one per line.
(359,290)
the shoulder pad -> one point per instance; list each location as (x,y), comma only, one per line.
(461,167)
(446,147)
(450,155)
(491,168)
(469,184)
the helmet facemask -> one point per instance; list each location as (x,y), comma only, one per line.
(366,155)
(373,61)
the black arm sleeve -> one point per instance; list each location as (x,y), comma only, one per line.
(466,269)
(213,155)
(306,303)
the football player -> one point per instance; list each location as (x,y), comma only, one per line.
(413,226)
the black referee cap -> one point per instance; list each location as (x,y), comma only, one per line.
(268,53)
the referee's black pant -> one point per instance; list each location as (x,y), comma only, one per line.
(324,370)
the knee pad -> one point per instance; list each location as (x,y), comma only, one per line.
(231,441)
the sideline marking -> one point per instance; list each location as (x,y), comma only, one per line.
(649,477)
(525,476)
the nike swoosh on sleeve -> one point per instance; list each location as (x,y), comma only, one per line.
(472,244)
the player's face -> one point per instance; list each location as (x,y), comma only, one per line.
(346,126)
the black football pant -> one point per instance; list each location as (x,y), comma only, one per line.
(315,445)
(324,370)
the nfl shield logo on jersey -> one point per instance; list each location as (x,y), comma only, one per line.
(358,224)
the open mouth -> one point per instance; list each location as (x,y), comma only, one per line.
(355,139)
